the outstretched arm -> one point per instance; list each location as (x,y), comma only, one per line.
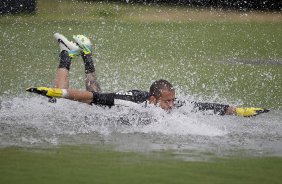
(105,99)
(82,96)
(222,109)
(215,107)
(72,94)
(230,110)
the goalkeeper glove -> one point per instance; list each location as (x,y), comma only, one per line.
(48,92)
(250,111)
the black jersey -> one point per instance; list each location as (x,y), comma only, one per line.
(137,96)
(108,99)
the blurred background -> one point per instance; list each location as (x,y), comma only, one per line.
(17,6)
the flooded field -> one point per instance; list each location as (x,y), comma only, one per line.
(230,58)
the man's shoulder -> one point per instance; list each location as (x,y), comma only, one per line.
(133,92)
(136,96)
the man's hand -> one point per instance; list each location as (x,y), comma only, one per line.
(251,111)
(48,92)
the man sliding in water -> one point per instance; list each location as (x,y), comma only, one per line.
(161,92)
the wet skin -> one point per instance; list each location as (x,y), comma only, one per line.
(165,101)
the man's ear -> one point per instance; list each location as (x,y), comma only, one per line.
(153,100)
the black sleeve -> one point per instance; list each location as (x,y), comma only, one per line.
(216,107)
(133,96)
(108,99)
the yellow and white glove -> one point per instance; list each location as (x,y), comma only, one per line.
(250,111)
(48,92)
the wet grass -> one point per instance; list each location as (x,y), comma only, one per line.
(87,164)
(83,10)
(135,45)
(197,57)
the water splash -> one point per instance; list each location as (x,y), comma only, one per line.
(33,121)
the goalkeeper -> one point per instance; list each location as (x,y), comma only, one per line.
(161,92)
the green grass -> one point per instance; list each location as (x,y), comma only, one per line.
(134,45)
(196,56)
(87,164)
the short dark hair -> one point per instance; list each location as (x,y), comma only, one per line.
(157,86)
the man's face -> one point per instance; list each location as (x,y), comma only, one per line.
(166,100)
